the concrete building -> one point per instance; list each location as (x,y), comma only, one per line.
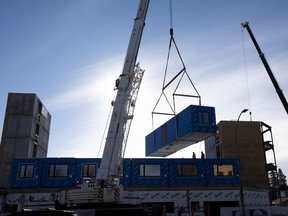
(25,132)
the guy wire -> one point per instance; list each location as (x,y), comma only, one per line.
(246,75)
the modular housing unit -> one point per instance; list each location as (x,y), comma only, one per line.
(198,185)
(190,126)
(137,172)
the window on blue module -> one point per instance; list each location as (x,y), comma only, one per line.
(203,118)
(223,170)
(89,170)
(150,170)
(187,170)
(58,170)
(26,171)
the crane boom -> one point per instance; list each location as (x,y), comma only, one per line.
(127,86)
(267,67)
(106,189)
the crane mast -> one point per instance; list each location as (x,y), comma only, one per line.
(267,67)
(127,86)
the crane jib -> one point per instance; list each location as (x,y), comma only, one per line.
(267,67)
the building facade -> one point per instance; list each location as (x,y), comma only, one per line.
(25,132)
(243,140)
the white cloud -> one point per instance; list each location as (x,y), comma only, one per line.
(92,84)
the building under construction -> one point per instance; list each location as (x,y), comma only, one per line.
(235,166)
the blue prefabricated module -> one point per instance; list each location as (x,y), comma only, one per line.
(152,172)
(26,173)
(137,172)
(190,126)
(86,168)
(221,172)
(58,172)
(126,177)
(187,172)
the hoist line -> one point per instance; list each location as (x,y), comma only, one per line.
(178,52)
(185,72)
(105,129)
(153,112)
(172,40)
(166,66)
(194,87)
(171,15)
(181,73)
(246,75)
(162,93)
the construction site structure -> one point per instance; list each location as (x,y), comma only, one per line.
(113,185)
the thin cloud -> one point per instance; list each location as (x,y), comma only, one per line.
(91,83)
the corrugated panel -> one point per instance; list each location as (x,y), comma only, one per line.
(192,125)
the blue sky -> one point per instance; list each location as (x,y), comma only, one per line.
(70,52)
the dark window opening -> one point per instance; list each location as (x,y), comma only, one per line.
(218,151)
(37,129)
(195,207)
(203,118)
(213,207)
(58,171)
(34,150)
(26,171)
(40,105)
(89,170)
(187,170)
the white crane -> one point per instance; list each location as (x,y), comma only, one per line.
(107,188)
(127,86)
